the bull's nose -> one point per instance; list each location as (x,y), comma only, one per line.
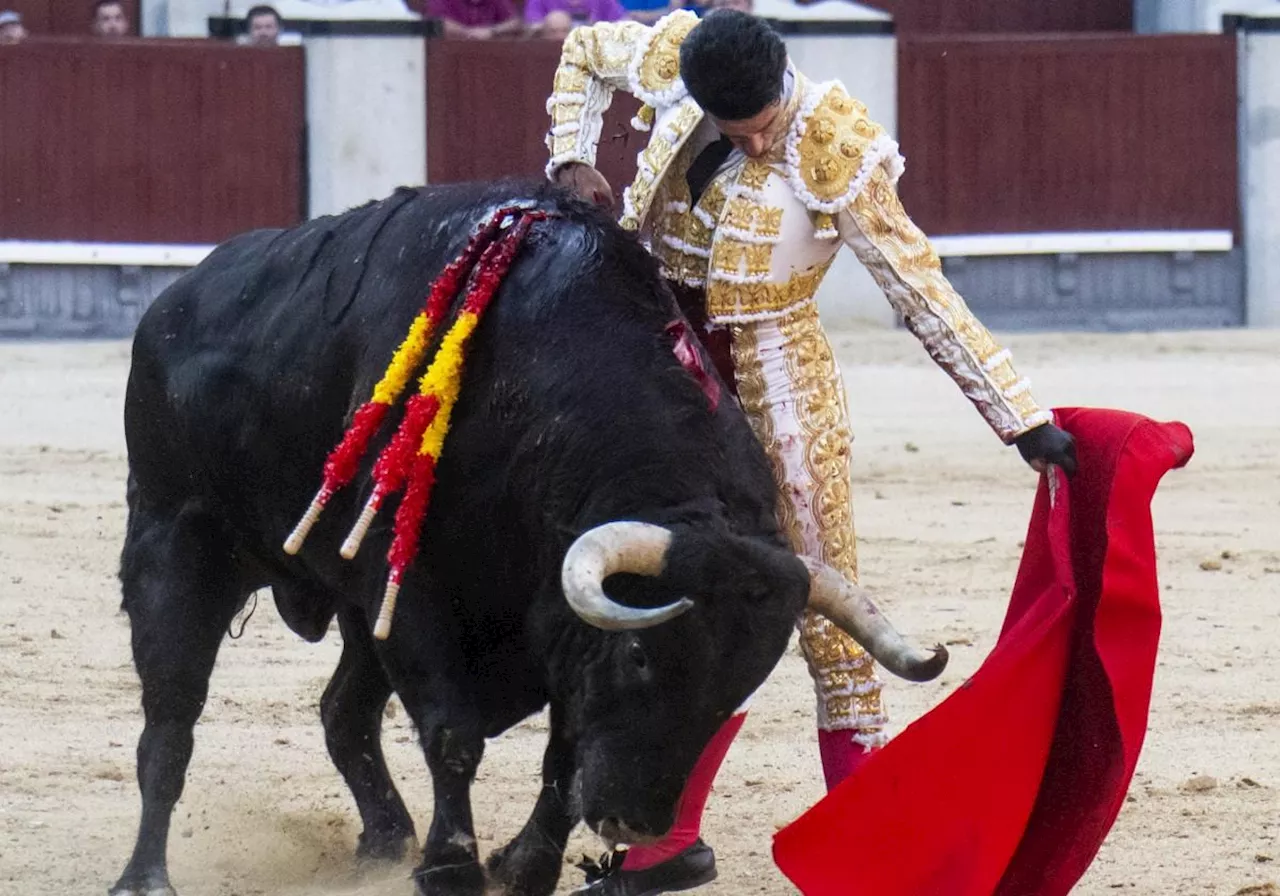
(615,831)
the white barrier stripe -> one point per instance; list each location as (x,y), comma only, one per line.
(1084,243)
(146,255)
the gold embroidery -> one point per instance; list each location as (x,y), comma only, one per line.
(658,153)
(640,193)
(854,711)
(836,135)
(697,233)
(824,226)
(660,66)
(747,218)
(726,258)
(564,114)
(768,221)
(741,213)
(681,262)
(570,80)
(728,300)
(754,175)
(688,116)
(713,200)
(834,658)
(730,256)
(748,374)
(686,261)
(610,55)
(822,130)
(655,158)
(759,257)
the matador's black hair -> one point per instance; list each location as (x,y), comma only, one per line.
(733,64)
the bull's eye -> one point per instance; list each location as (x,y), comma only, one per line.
(637,655)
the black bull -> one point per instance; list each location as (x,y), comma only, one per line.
(574,414)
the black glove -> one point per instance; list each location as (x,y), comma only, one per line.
(1048,445)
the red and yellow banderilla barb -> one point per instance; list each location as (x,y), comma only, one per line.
(410,457)
(340,467)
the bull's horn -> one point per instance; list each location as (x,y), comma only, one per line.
(850,608)
(598,553)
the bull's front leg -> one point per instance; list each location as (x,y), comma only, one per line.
(453,741)
(450,860)
(530,864)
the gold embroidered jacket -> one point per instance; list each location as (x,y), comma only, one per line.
(764,232)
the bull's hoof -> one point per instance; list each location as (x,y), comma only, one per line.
(142,885)
(517,870)
(391,847)
(466,879)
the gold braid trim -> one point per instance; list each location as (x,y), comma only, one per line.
(752,389)
(843,673)
(844,676)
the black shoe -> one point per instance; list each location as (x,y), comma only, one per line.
(691,868)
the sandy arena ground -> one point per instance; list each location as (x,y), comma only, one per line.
(941,509)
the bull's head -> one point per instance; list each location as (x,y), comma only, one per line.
(664,687)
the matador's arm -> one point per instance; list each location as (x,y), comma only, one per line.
(595,61)
(908,270)
(598,59)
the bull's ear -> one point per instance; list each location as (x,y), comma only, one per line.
(759,571)
(790,577)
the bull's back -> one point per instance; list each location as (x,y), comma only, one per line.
(247,369)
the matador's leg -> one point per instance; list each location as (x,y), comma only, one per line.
(791,388)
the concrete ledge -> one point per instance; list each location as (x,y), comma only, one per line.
(230,28)
(1102,291)
(797,27)
(1084,243)
(1262,24)
(103,254)
(824,18)
(79,300)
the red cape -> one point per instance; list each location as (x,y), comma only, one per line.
(1011,784)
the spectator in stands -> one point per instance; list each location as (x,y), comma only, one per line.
(109,19)
(555,25)
(648,11)
(11,28)
(475,19)
(262,27)
(579,12)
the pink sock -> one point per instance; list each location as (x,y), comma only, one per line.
(841,755)
(693,799)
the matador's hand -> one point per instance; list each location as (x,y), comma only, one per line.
(587,182)
(1047,444)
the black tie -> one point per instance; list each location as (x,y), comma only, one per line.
(705,165)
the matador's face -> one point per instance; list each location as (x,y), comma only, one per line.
(756,135)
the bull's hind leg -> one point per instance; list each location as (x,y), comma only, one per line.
(180,593)
(530,864)
(351,709)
